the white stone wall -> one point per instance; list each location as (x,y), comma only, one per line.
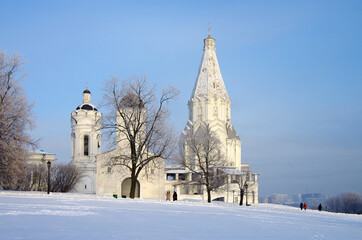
(110,177)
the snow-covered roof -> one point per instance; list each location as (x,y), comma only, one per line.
(232,171)
(38,151)
(177,171)
(231,131)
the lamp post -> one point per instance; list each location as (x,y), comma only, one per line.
(49,163)
(246,193)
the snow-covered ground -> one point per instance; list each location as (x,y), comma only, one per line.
(35,215)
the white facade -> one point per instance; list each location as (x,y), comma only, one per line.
(210,105)
(86,124)
(115,179)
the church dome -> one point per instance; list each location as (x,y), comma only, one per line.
(86,91)
(85,106)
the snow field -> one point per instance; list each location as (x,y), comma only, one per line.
(35,215)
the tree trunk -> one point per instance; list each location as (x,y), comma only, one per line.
(133,185)
(241,196)
(209,195)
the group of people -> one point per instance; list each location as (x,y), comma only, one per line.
(168,196)
(304,206)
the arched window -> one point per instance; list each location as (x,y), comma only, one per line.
(86,145)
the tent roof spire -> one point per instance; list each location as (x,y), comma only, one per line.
(209,81)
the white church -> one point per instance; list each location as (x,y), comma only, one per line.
(209,104)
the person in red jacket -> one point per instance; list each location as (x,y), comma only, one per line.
(305,206)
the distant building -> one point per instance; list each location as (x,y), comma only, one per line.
(297,198)
(40,157)
(313,199)
(263,200)
(278,198)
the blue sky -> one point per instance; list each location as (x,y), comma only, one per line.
(293,71)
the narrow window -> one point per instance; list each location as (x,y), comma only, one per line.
(109,169)
(85,186)
(86,145)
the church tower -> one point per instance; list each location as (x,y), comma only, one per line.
(210,104)
(86,142)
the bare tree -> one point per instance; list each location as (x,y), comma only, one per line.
(65,177)
(140,121)
(200,153)
(16,119)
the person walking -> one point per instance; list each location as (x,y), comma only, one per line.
(301,206)
(168,195)
(305,206)
(174,196)
(320,207)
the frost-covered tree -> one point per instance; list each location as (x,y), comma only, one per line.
(347,202)
(16,119)
(138,121)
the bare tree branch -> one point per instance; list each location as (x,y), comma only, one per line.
(138,123)
(201,155)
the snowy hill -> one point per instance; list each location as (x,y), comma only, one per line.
(34,215)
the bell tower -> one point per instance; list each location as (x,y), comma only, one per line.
(86,124)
